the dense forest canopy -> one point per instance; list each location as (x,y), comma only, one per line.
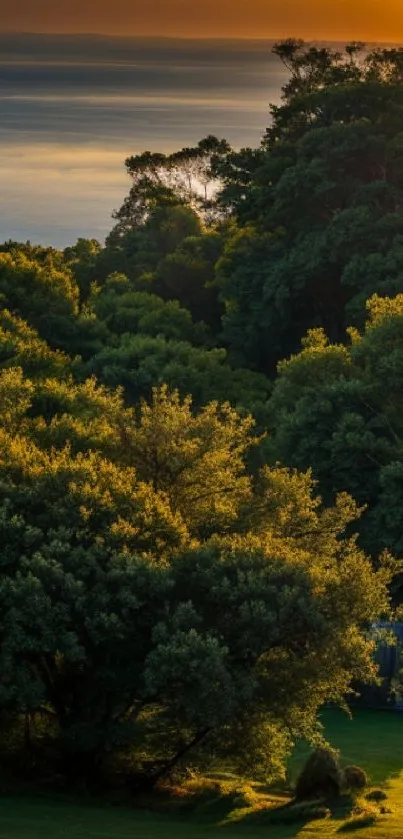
(201,461)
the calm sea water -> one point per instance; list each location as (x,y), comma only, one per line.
(73,108)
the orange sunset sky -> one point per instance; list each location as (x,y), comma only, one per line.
(376,20)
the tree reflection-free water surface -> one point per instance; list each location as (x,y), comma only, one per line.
(73,108)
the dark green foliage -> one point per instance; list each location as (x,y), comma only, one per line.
(376,795)
(317,208)
(140,248)
(139,312)
(187,274)
(141,362)
(355,777)
(82,261)
(336,409)
(321,777)
(172,255)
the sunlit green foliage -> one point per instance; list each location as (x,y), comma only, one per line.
(43,295)
(21,346)
(146,600)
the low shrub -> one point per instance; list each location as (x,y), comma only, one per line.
(321,777)
(376,795)
(211,799)
(355,777)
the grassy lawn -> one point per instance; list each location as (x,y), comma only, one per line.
(373,739)
(38,819)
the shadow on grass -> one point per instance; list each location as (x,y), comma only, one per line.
(290,818)
(358,824)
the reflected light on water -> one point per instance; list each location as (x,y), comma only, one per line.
(72,110)
(52,194)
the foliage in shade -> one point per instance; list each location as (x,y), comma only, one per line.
(355,778)
(321,777)
(336,408)
(317,208)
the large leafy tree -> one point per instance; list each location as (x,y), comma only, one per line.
(157,595)
(336,409)
(318,206)
(182,177)
(156,599)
